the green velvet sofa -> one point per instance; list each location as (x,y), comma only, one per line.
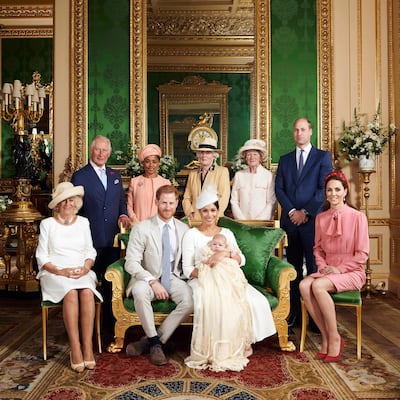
(264,270)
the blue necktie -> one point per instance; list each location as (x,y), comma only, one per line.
(166,258)
(301,163)
(103,177)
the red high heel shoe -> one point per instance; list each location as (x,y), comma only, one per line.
(337,358)
(320,356)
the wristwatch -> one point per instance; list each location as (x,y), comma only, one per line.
(306,213)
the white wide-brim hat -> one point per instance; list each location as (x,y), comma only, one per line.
(65,190)
(208,195)
(208,144)
(254,144)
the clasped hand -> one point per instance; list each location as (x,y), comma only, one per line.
(329,269)
(298,217)
(74,273)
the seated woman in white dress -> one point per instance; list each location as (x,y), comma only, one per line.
(206,352)
(65,256)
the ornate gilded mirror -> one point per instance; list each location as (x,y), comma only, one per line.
(188,101)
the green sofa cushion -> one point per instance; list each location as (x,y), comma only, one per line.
(349,297)
(257,244)
(159,306)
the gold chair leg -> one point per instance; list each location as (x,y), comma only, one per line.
(44,331)
(359,337)
(97,324)
(304,321)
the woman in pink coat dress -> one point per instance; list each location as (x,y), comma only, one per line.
(142,189)
(341,248)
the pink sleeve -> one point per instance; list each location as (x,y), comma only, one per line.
(319,254)
(361,245)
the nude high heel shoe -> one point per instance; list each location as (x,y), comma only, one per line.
(76,367)
(90,364)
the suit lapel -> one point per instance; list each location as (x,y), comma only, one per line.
(155,236)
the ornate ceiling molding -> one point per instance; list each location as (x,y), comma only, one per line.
(190,51)
(199,26)
(25,11)
(26,32)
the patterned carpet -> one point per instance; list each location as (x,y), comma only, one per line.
(271,374)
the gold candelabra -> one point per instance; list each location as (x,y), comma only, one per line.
(368,271)
(21,104)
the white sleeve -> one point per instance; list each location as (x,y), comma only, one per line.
(42,250)
(188,253)
(232,243)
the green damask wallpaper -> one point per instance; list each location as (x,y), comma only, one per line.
(108,81)
(238,109)
(20,58)
(293,77)
(294,91)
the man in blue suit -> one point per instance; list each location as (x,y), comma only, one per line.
(299,188)
(104,204)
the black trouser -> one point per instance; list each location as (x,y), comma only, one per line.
(105,257)
(300,248)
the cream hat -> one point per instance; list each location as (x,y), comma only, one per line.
(208,144)
(207,196)
(254,144)
(65,190)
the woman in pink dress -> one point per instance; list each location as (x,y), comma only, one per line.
(341,248)
(142,189)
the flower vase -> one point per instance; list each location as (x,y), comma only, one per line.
(366,164)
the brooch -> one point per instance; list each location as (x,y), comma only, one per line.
(116,181)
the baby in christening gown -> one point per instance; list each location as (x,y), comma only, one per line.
(222,327)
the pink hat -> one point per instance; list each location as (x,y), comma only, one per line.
(149,150)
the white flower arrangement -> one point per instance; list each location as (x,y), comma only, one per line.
(367,140)
(167,168)
(238,164)
(5,202)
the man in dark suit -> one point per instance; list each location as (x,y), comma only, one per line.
(299,188)
(104,204)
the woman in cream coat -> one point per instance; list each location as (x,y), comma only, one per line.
(209,173)
(253,193)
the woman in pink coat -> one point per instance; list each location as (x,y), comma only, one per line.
(341,248)
(142,189)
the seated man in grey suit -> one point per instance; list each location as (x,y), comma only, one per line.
(153,258)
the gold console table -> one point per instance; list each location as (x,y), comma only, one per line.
(18,240)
